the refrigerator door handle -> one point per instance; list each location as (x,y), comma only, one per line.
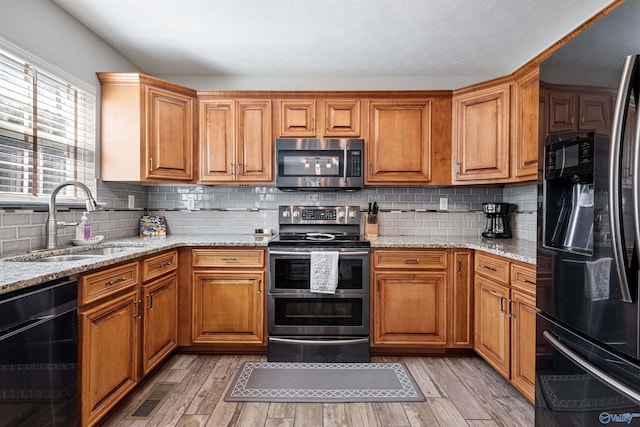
(590,368)
(615,148)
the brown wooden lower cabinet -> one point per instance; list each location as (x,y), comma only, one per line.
(421,299)
(505,319)
(160,321)
(109,346)
(228,296)
(126,329)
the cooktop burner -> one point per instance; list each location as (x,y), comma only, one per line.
(325,239)
(334,226)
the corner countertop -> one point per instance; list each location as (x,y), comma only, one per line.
(17,275)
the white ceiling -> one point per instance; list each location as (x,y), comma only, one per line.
(437,38)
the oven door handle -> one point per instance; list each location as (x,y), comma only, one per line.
(295,253)
(338,341)
(590,368)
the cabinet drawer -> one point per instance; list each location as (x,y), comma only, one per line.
(524,278)
(493,267)
(410,259)
(227,258)
(158,265)
(106,282)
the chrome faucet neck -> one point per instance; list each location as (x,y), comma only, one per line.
(51,235)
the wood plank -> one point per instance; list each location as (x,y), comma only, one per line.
(364,414)
(336,414)
(253,414)
(446,412)
(192,421)
(391,414)
(308,414)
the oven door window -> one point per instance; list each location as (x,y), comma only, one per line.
(294,273)
(310,163)
(318,311)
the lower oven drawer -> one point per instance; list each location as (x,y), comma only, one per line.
(319,349)
(313,315)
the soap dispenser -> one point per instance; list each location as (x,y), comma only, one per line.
(86,227)
(80,227)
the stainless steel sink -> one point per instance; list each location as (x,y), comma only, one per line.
(62,258)
(104,251)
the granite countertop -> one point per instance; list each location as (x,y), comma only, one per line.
(17,275)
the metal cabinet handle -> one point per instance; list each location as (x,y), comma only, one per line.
(151,164)
(511,312)
(489,268)
(529,282)
(313,123)
(228,259)
(411,260)
(230,168)
(501,304)
(137,314)
(260,286)
(115,281)
(150,301)
(459,270)
(166,264)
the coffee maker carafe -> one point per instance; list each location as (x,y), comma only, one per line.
(497,226)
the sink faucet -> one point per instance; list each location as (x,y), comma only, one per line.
(51,238)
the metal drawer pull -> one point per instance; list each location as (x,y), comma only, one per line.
(228,259)
(459,270)
(411,260)
(501,304)
(150,301)
(259,286)
(115,281)
(489,268)
(166,264)
(529,281)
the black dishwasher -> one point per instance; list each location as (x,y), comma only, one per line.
(39,355)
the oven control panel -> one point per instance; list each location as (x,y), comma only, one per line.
(319,215)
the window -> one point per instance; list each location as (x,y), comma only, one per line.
(47,132)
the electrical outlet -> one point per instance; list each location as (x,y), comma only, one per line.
(132,201)
(191,204)
(444,203)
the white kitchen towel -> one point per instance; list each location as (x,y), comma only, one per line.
(597,275)
(324,272)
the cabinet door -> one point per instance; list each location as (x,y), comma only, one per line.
(169,134)
(523,343)
(297,118)
(109,343)
(410,308)
(253,139)
(527,125)
(561,112)
(399,144)
(160,321)
(341,118)
(491,338)
(228,307)
(217,141)
(595,113)
(481,135)
(462,299)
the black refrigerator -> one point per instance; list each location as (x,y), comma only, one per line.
(587,345)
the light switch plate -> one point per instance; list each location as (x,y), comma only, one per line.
(132,201)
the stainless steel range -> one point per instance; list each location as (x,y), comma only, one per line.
(304,325)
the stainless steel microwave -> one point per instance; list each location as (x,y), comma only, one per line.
(319,164)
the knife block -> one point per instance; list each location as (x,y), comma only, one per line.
(370,230)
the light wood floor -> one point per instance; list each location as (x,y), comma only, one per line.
(459,391)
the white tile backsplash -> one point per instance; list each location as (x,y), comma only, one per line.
(405,211)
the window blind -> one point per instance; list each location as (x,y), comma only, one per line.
(47,131)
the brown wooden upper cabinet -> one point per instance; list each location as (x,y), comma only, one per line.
(578,108)
(313,118)
(496,130)
(399,143)
(154,115)
(235,141)
(481,134)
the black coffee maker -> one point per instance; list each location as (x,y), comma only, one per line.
(497,220)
